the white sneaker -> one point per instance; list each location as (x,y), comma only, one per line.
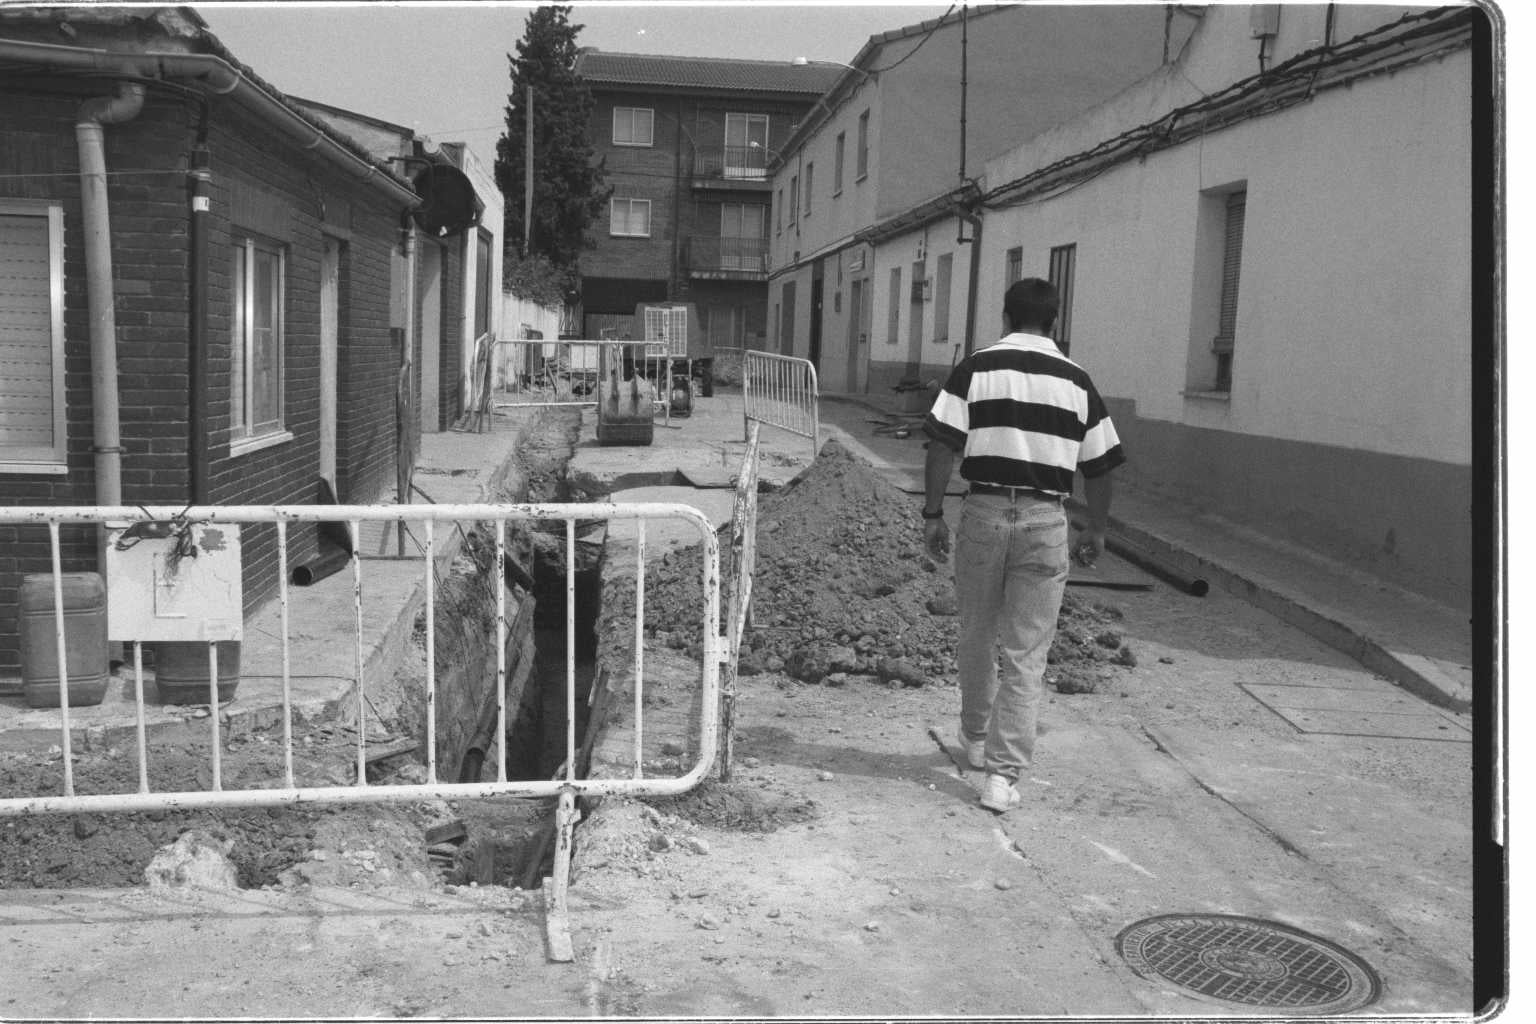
(975,750)
(998,794)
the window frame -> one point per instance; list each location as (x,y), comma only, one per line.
(810,170)
(649,143)
(861,170)
(613,201)
(944,277)
(50,459)
(1063,275)
(838,161)
(246,434)
(1224,344)
(1013,266)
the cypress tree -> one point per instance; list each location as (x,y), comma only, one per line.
(568,190)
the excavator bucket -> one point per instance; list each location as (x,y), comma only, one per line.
(625,408)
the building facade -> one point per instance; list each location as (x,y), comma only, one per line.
(1269,275)
(197,294)
(685,143)
(457,301)
(910,121)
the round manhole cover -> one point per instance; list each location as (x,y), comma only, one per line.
(1244,960)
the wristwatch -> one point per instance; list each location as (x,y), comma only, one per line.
(933,515)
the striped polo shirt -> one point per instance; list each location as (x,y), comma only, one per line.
(1025,416)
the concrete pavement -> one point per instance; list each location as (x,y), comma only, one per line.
(1422,645)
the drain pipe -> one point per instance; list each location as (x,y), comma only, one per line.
(107,447)
(198,178)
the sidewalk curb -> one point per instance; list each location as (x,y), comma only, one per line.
(1421,680)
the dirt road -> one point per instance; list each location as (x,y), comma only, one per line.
(887,890)
(1233,766)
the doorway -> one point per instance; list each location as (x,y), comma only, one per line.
(816,289)
(858,333)
(430,305)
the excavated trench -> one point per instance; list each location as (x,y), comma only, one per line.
(509,841)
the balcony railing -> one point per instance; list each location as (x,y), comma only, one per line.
(747,254)
(737,163)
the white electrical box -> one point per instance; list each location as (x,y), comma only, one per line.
(174,582)
(1264,20)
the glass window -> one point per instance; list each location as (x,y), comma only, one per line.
(837,164)
(746,145)
(1063,270)
(862,167)
(810,170)
(256,386)
(633,126)
(31,336)
(1014,270)
(630,217)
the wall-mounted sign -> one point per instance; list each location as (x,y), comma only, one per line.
(856,261)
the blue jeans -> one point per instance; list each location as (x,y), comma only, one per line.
(1011,567)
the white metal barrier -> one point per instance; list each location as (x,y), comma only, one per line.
(537,372)
(171,530)
(742,566)
(781,392)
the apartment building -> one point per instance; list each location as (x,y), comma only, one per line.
(686,143)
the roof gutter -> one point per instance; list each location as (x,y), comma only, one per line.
(216,75)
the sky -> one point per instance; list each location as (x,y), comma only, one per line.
(441,68)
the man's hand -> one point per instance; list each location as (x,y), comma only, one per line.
(936,537)
(1089,546)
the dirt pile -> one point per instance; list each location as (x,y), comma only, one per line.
(844,592)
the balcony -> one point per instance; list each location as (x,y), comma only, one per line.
(731,167)
(728,259)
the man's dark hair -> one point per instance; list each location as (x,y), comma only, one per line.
(1031,303)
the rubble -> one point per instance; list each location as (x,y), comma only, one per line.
(844,592)
(195,860)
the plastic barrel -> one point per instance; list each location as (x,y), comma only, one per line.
(181,671)
(85,639)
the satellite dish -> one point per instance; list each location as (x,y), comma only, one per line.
(447,200)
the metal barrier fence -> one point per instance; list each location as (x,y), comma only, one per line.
(741,568)
(781,392)
(178,548)
(535,372)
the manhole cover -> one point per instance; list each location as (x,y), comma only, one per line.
(1244,960)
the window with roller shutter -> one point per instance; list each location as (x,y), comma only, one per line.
(1231,270)
(31,337)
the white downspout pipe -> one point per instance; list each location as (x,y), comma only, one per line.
(94,113)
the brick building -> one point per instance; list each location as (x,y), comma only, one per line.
(686,142)
(249,320)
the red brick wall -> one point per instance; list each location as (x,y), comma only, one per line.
(39,159)
(677,208)
(297,198)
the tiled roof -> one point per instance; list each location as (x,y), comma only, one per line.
(713,73)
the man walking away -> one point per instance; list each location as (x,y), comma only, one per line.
(1025,419)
